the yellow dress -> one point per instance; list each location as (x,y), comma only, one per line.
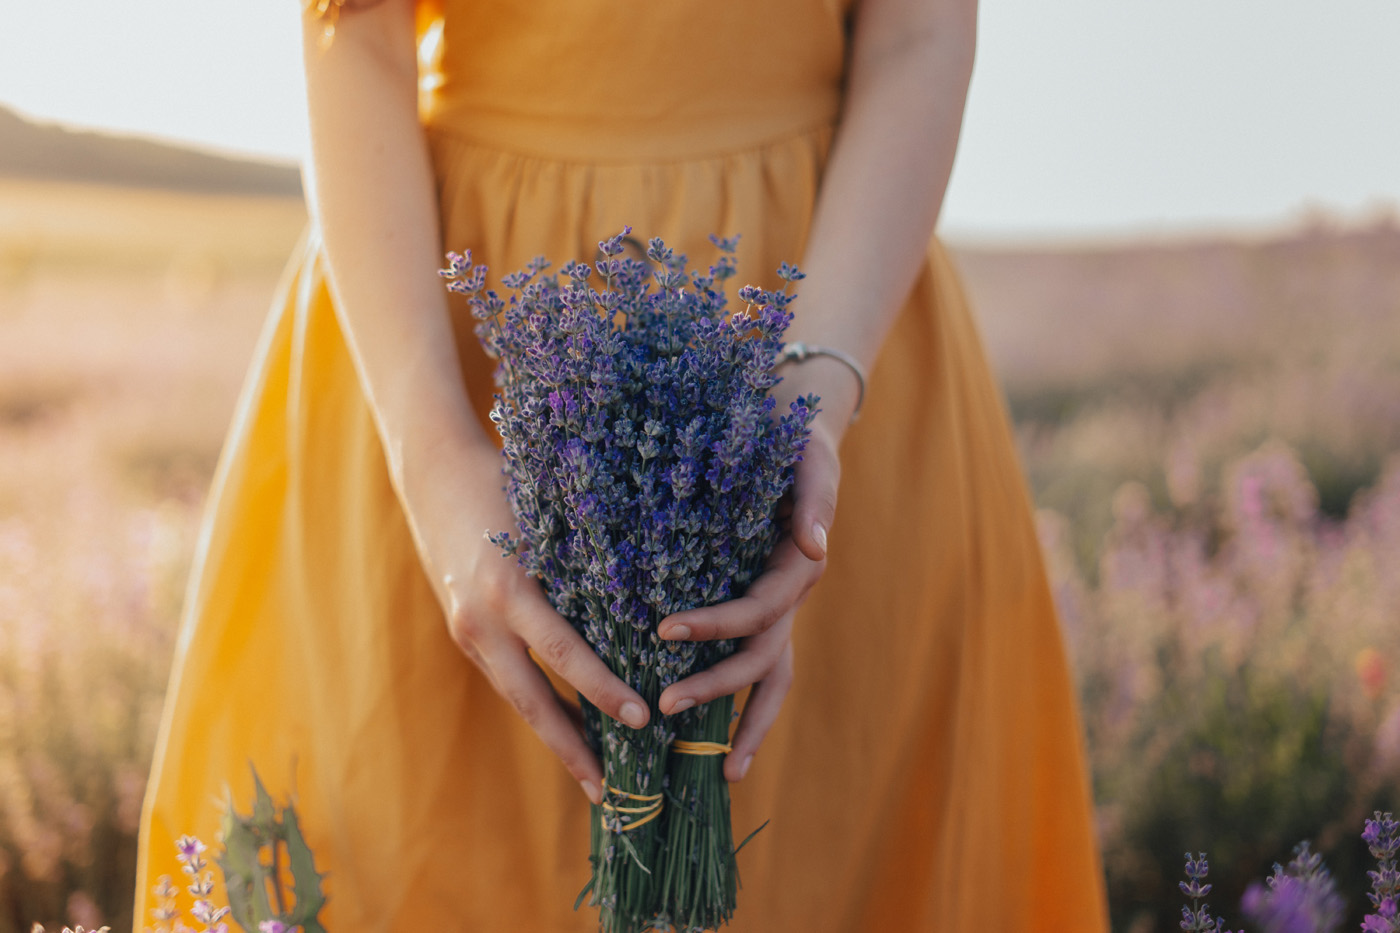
(927,770)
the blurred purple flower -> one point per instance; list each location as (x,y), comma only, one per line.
(190,849)
(1382,837)
(206,913)
(1299,898)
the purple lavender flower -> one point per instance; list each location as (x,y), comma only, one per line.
(190,853)
(1299,898)
(165,889)
(201,883)
(1382,837)
(1383,920)
(206,913)
(1197,917)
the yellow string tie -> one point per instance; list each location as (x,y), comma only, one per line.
(682,747)
(652,808)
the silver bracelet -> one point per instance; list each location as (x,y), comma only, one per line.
(797,351)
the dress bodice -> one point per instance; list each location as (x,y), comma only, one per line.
(570,78)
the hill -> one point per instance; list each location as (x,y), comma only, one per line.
(29,149)
(1063,317)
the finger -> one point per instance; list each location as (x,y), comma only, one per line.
(568,654)
(526,688)
(782,586)
(760,712)
(754,661)
(815,481)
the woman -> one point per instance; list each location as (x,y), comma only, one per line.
(927,769)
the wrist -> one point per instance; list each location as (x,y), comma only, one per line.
(436,452)
(796,351)
(449,487)
(833,383)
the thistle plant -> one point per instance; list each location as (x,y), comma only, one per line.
(644,465)
(256,848)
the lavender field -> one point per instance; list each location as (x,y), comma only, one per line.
(126,319)
(1211,429)
(1212,434)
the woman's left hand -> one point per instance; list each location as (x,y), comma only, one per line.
(881,193)
(762,619)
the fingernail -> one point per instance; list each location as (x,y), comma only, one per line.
(591,790)
(744,768)
(678,633)
(633,715)
(682,705)
(819,532)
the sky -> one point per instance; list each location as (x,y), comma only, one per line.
(1086,118)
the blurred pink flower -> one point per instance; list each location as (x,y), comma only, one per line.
(83,909)
(1371,671)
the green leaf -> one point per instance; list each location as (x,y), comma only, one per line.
(244,877)
(750,836)
(240,894)
(306,880)
(264,812)
(578,901)
(632,851)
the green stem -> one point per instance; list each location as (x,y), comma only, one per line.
(700,885)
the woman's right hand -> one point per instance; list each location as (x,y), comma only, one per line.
(497,614)
(375,199)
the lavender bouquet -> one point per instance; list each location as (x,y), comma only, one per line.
(644,466)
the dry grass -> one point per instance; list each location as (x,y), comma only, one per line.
(126,318)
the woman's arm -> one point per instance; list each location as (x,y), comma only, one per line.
(881,194)
(374,197)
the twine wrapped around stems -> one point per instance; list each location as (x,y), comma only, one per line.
(682,747)
(652,808)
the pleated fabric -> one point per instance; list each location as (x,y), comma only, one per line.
(927,771)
